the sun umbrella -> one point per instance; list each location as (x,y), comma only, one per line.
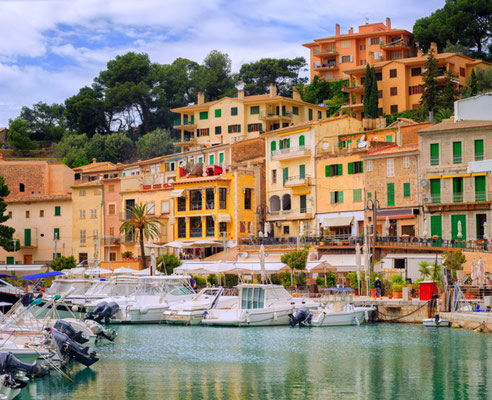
(474,273)
(124,270)
(386,226)
(460,233)
(175,244)
(425,233)
(301,229)
(485,230)
(481,272)
(358,263)
(266,228)
(153,259)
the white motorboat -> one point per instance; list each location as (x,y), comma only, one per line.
(337,314)
(191,312)
(436,322)
(154,295)
(259,305)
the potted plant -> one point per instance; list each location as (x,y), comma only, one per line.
(397,290)
(373,290)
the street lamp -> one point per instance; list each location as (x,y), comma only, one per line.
(373,205)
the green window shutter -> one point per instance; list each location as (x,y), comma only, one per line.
(280,144)
(302,171)
(239,128)
(435,188)
(479,150)
(406,189)
(288,143)
(218,113)
(389,138)
(302,201)
(57,211)
(358,141)
(350,168)
(249,127)
(340,196)
(192,119)
(369,195)
(254,110)
(10,260)
(229,129)
(27,237)
(211,159)
(357,195)
(436,225)
(233,111)
(285,175)
(327,170)
(221,158)
(340,169)
(203,114)
(454,227)
(340,144)
(56,233)
(361,166)
(456,152)
(390,192)
(332,197)
(434,150)
(273,146)
(261,128)
(301,140)
(480,194)
(310,114)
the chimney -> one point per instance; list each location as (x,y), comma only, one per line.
(388,24)
(434,47)
(370,59)
(240,90)
(351,31)
(337,30)
(296,95)
(94,160)
(201,98)
(419,53)
(273,90)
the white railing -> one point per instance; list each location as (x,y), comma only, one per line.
(290,150)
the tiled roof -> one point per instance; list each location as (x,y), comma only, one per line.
(305,124)
(95,167)
(451,125)
(358,34)
(184,181)
(394,149)
(97,182)
(39,197)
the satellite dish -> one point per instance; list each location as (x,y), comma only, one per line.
(423,182)
(325,146)
(170,180)
(362,144)
(240,85)
(244,255)
(363,138)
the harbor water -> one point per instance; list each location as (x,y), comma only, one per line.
(373,361)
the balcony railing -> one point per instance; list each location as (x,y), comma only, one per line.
(458,197)
(210,232)
(330,50)
(196,232)
(479,157)
(300,213)
(325,66)
(290,150)
(276,115)
(457,159)
(300,180)
(434,160)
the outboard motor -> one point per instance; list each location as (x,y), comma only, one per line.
(27,299)
(9,364)
(71,349)
(302,317)
(104,311)
(67,329)
(100,331)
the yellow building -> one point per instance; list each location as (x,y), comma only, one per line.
(232,119)
(209,207)
(291,173)
(40,210)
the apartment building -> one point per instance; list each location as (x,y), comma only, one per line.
(455,169)
(229,120)
(40,209)
(400,83)
(332,57)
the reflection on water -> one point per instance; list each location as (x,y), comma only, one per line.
(378,361)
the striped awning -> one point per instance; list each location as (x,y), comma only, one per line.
(337,221)
(176,193)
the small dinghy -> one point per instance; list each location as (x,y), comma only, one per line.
(436,322)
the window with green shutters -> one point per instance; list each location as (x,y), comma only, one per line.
(27,237)
(434,150)
(436,225)
(273,146)
(336,197)
(203,114)
(369,195)
(56,255)
(389,138)
(10,260)
(254,110)
(301,141)
(57,211)
(221,158)
(218,113)
(327,170)
(285,175)
(56,233)
(310,114)
(390,189)
(302,171)
(435,189)
(280,144)
(480,193)
(406,189)
(356,167)
(333,170)
(457,159)
(479,150)
(357,195)
(457,190)
(233,111)
(211,159)
(455,231)
(303,203)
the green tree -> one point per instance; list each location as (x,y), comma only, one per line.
(45,122)
(454,260)
(154,144)
(71,149)
(167,262)
(6,232)
(295,260)
(370,93)
(448,92)
(473,83)
(431,95)
(115,147)
(316,92)
(61,263)
(442,113)
(283,72)
(479,81)
(19,135)
(215,76)
(424,269)
(141,226)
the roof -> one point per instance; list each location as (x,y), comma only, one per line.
(449,125)
(96,166)
(184,181)
(394,149)
(39,197)
(94,183)
(346,36)
(306,124)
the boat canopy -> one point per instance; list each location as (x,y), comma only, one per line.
(43,275)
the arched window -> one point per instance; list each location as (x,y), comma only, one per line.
(274,203)
(273,146)
(286,202)
(301,141)
(22,188)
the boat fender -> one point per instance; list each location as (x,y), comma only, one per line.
(144,310)
(275,316)
(205,313)
(75,308)
(455,326)
(357,321)
(248,321)
(366,313)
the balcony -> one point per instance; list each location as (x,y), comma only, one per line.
(353,107)
(125,216)
(295,214)
(459,200)
(479,157)
(297,181)
(457,159)
(442,79)
(274,116)
(186,124)
(353,89)
(317,51)
(291,153)
(325,67)
(395,45)
(435,160)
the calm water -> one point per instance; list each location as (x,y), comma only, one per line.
(376,361)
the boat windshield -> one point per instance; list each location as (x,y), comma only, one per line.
(252,297)
(98,289)
(123,290)
(157,287)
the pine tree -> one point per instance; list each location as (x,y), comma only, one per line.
(430,97)
(473,83)
(449,94)
(367,91)
(6,232)
(374,100)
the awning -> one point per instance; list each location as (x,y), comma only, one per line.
(176,193)
(44,275)
(338,221)
(224,218)
(22,267)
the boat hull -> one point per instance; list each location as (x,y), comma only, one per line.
(183,318)
(253,317)
(339,318)
(431,322)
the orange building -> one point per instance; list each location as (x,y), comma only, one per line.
(333,56)
(400,83)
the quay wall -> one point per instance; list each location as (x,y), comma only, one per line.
(470,320)
(411,311)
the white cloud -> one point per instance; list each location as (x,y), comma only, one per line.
(85,34)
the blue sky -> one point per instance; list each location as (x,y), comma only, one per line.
(51,48)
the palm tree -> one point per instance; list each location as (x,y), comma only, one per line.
(424,269)
(142,226)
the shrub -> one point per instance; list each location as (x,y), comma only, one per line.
(200,280)
(285,278)
(397,280)
(61,263)
(397,288)
(230,280)
(212,279)
(167,262)
(276,279)
(127,254)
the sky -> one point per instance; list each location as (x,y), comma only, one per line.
(49,49)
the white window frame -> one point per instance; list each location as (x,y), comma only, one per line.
(82,214)
(93,213)
(406,162)
(150,206)
(82,237)
(390,167)
(165,206)
(369,165)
